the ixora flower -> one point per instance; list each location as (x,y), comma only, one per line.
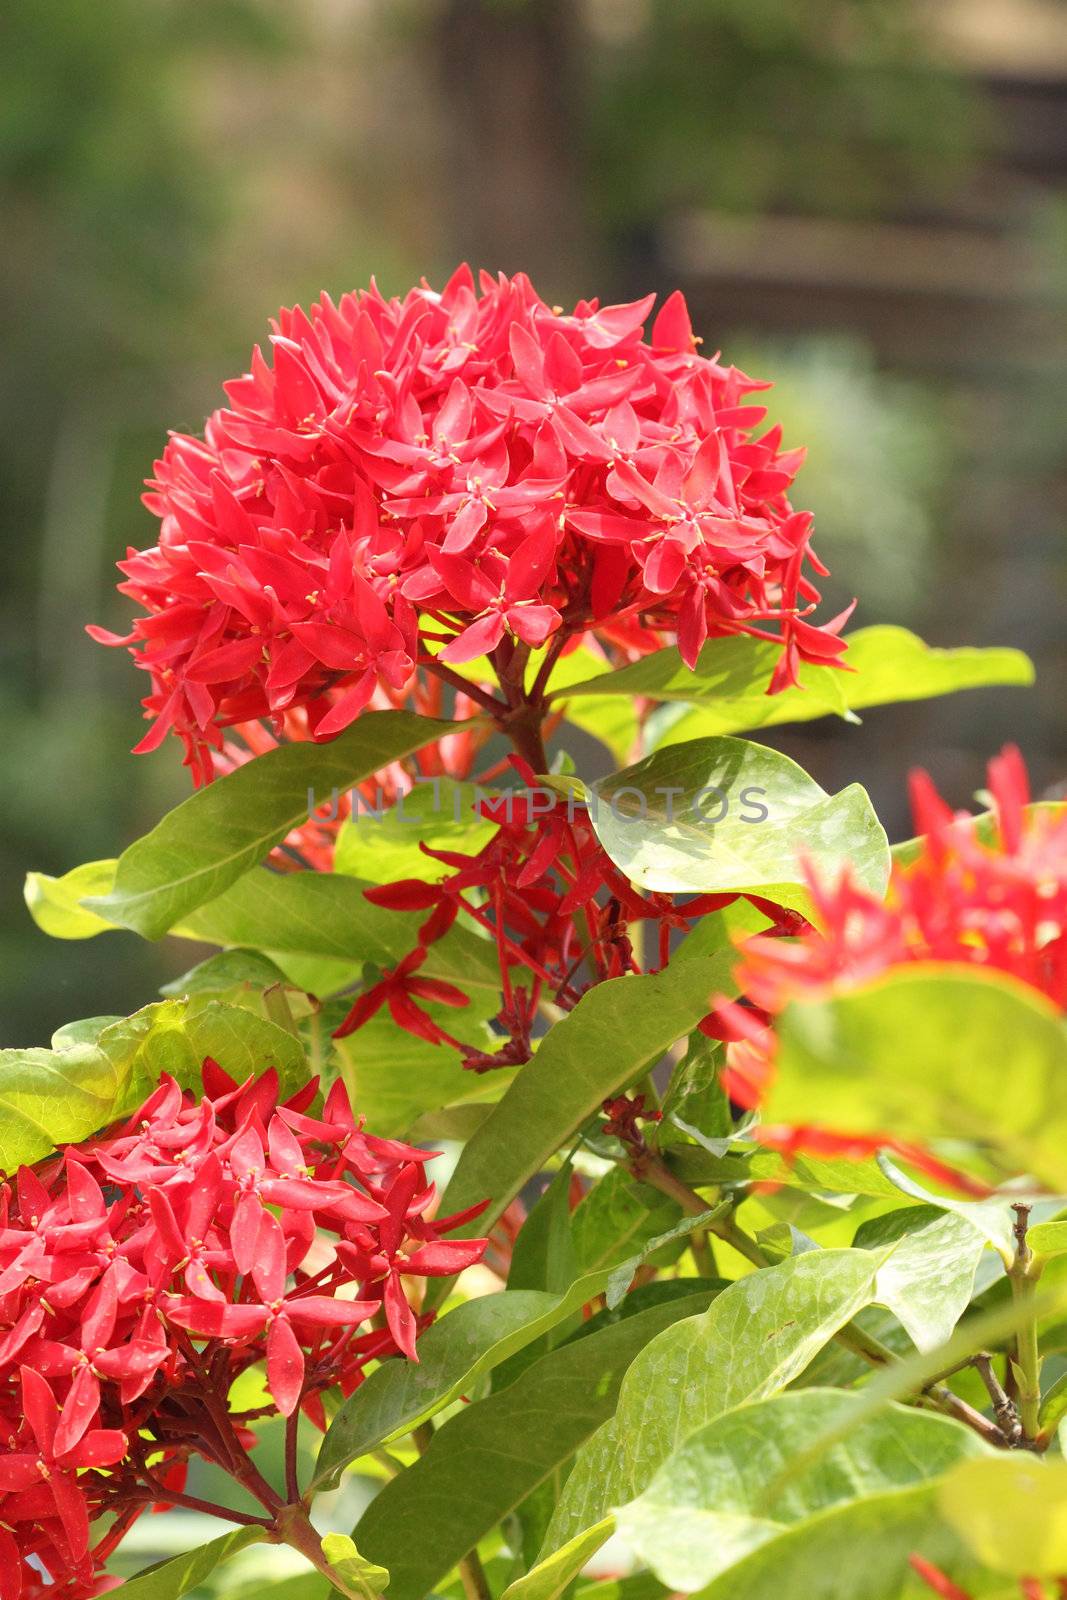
(420,481)
(143,1270)
(935,1579)
(998,903)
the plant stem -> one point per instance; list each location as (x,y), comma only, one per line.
(474,691)
(651,1169)
(1023,1276)
(472,1573)
(292,1480)
(294,1528)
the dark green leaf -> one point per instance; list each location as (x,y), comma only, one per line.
(485,1460)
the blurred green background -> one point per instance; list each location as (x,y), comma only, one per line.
(864,199)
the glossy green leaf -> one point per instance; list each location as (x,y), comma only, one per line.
(705,1510)
(168,1580)
(1012,1512)
(756,1338)
(485,1460)
(720,815)
(923,1053)
(50,1097)
(730,682)
(616,1032)
(928,1280)
(543,1256)
(550,1577)
(223,830)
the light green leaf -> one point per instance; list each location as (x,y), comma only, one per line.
(328,919)
(1012,1512)
(223,830)
(360,1576)
(55,903)
(484,1461)
(616,1032)
(1048,1238)
(928,1280)
(50,1098)
(168,1580)
(721,815)
(439,812)
(703,1512)
(730,682)
(924,1052)
(392,1076)
(756,1337)
(550,1577)
(991,1219)
(543,1254)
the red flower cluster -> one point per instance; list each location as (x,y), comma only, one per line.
(472,471)
(998,903)
(142,1271)
(555,905)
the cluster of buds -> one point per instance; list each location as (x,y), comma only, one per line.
(416,482)
(996,901)
(559,912)
(144,1270)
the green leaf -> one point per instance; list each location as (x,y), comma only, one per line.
(730,682)
(484,1461)
(928,1280)
(1048,1238)
(616,1032)
(550,1577)
(721,815)
(1012,1512)
(439,812)
(756,1337)
(704,1511)
(361,1576)
(221,831)
(543,1255)
(328,918)
(55,903)
(617,1217)
(991,1219)
(393,1077)
(225,972)
(924,1052)
(455,1352)
(50,1098)
(696,1102)
(168,1580)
